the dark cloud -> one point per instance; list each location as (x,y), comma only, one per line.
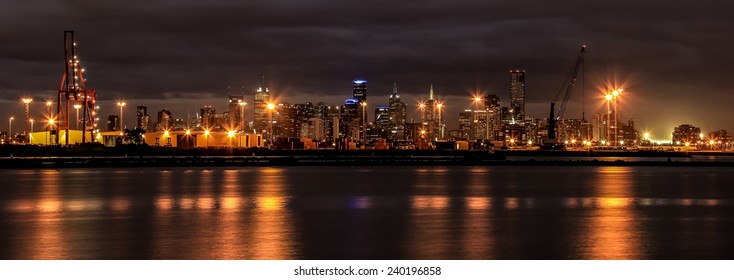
(673,57)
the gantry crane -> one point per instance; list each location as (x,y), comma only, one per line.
(73,90)
(552,143)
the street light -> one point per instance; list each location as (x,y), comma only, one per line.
(27,102)
(30,135)
(364,117)
(609,97)
(242,114)
(206,135)
(270,107)
(440,125)
(77,107)
(615,94)
(10,129)
(51,123)
(121,104)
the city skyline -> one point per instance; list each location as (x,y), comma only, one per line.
(670,79)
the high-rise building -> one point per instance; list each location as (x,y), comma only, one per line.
(479,125)
(434,117)
(235,111)
(351,119)
(143,118)
(686,133)
(165,120)
(517,94)
(465,124)
(383,123)
(398,115)
(113,123)
(260,106)
(360,90)
(207,117)
(494,114)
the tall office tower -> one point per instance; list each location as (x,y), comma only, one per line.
(235,111)
(207,117)
(260,106)
(465,124)
(494,115)
(398,114)
(113,123)
(517,94)
(165,120)
(360,90)
(434,117)
(383,124)
(351,119)
(479,124)
(143,118)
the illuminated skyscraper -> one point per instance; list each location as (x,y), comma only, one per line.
(517,94)
(143,118)
(360,90)
(398,115)
(235,111)
(494,114)
(260,106)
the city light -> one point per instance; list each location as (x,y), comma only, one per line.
(230,133)
(188,132)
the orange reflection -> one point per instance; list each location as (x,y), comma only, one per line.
(478,203)
(48,239)
(612,231)
(429,234)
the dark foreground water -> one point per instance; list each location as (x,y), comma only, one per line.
(368,213)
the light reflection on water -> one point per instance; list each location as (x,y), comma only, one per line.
(422,213)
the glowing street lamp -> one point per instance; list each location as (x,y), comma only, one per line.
(206,135)
(10,129)
(242,114)
(77,107)
(270,107)
(121,104)
(364,117)
(27,102)
(30,135)
(615,94)
(440,125)
(608,98)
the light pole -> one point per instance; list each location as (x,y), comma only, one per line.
(206,135)
(271,107)
(10,130)
(609,118)
(121,104)
(440,125)
(364,128)
(30,135)
(27,102)
(242,115)
(77,107)
(422,107)
(615,94)
(51,122)
(478,99)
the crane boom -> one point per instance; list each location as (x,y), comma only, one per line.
(552,143)
(568,84)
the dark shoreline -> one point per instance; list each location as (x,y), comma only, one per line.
(29,157)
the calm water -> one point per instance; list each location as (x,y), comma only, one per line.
(368,213)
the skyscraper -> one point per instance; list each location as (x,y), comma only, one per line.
(360,90)
(113,123)
(494,114)
(260,106)
(207,117)
(517,94)
(165,120)
(434,118)
(143,118)
(398,115)
(235,111)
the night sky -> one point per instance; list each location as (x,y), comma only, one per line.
(673,58)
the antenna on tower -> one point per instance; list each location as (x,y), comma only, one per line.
(430,94)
